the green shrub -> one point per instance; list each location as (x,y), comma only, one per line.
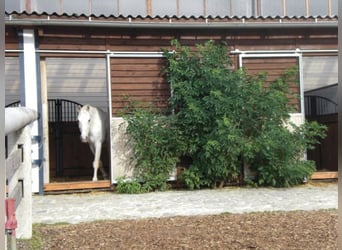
(223,119)
(279,160)
(156,148)
(229,119)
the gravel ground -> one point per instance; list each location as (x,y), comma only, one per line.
(267,230)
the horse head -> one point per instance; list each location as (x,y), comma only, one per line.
(84,120)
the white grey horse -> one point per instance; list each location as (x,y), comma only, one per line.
(92,122)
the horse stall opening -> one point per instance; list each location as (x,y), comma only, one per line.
(321,104)
(72,83)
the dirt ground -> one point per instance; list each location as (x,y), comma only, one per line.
(270,230)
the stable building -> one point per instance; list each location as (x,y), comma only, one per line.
(63,54)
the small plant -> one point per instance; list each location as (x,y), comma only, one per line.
(128,186)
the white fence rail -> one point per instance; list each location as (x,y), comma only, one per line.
(19,171)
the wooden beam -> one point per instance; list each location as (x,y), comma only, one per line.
(324,175)
(64,186)
(17,193)
(13,162)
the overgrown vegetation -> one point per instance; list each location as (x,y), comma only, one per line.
(157,146)
(224,120)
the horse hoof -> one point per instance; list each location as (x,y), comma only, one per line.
(94,179)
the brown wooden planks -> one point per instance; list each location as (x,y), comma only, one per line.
(63,186)
(139,81)
(324,175)
(274,67)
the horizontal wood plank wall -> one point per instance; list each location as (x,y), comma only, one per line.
(11,38)
(120,39)
(138,82)
(274,67)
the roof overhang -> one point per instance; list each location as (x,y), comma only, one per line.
(171,22)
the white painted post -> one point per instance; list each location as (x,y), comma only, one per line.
(2,132)
(29,96)
(45,120)
(24,210)
(18,122)
(121,153)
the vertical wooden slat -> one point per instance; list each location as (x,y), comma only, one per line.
(204,7)
(28,6)
(149,7)
(284,7)
(258,8)
(13,163)
(329,7)
(118,6)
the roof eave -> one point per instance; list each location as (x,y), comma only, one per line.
(170,25)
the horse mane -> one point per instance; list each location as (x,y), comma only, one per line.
(91,108)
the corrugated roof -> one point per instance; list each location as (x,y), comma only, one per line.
(34,13)
(175,8)
(44,18)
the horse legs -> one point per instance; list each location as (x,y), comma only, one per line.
(97,163)
(103,171)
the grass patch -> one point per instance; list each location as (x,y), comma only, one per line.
(36,242)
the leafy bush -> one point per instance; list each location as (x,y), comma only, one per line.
(156,146)
(279,159)
(224,120)
(229,119)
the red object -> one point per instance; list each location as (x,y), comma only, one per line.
(11,223)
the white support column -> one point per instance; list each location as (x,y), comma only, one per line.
(44,117)
(29,94)
(2,130)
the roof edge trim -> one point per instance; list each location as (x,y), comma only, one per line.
(178,25)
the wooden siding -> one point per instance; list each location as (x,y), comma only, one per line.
(274,67)
(11,38)
(139,78)
(102,39)
(138,81)
(148,40)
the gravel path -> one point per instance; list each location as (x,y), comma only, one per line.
(76,208)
